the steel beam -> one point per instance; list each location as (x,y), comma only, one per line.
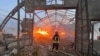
(11,14)
(18,29)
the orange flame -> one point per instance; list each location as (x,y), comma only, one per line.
(44,35)
(40,31)
(63,33)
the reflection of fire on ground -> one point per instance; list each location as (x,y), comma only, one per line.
(44,35)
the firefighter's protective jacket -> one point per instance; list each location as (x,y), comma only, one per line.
(56,38)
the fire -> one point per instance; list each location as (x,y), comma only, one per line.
(42,35)
(63,33)
(43,32)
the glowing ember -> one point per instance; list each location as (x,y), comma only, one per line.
(62,33)
(42,32)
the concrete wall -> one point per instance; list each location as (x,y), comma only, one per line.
(41,4)
(97,45)
(70,3)
(82,23)
(94,9)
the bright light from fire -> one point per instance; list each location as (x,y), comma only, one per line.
(42,32)
(44,35)
(62,33)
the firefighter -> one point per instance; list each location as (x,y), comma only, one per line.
(56,39)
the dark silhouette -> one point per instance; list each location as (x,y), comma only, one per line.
(56,39)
